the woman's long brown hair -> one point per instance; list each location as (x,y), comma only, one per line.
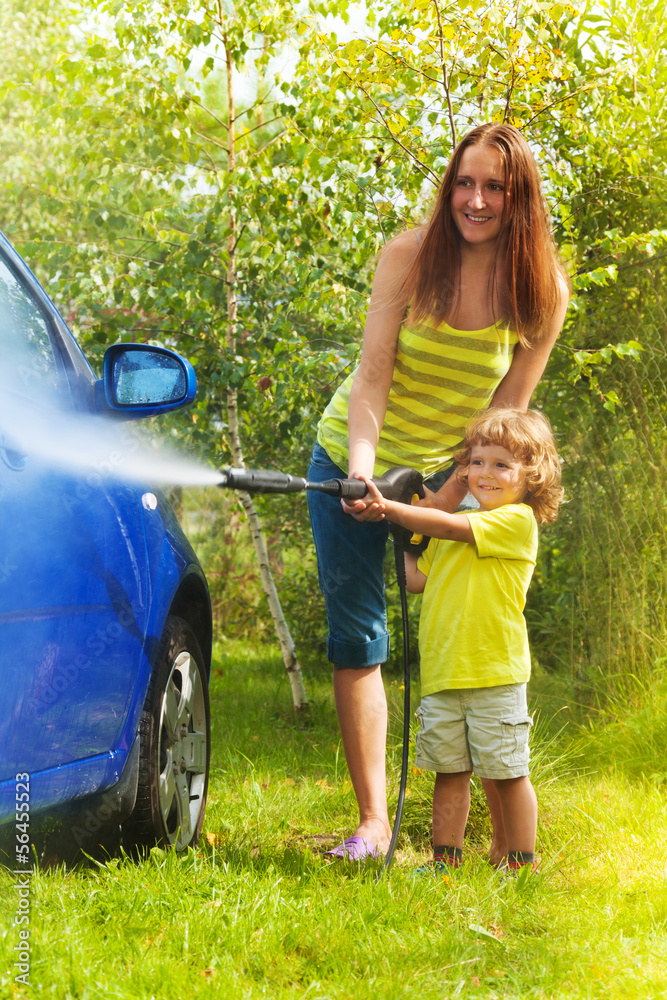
(529,293)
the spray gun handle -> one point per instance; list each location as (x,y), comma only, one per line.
(400,484)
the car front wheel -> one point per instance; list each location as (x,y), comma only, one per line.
(174,756)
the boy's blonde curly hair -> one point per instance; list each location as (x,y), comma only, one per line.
(528,435)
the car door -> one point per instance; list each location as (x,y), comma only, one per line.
(72,557)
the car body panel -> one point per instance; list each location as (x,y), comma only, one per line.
(72,614)
(90,569)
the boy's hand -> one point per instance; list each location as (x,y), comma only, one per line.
(368,508)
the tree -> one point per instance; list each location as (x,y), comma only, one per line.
(145,216)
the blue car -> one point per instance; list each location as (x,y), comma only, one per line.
(105,616)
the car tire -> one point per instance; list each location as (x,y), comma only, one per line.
(174,754)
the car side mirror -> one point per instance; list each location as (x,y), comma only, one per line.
(139,380)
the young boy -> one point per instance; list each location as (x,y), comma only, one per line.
(473,643)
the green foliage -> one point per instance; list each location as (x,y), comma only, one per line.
(117,184)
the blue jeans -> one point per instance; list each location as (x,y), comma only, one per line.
(350,559)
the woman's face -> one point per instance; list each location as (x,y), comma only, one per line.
(478,195)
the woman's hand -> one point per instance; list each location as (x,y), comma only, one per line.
(448,497)
(430,499)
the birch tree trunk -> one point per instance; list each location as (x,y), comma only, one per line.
(282,629)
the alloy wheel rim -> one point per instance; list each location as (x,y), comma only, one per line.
(182,751)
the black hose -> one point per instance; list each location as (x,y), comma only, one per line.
(399,536)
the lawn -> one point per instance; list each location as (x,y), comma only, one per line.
(257,912)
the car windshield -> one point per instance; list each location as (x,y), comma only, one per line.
(27,362)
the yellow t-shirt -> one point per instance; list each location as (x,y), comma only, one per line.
(472,632)
(442,378)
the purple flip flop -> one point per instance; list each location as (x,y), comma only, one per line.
(355,849)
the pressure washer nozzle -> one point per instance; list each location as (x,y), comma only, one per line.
(267,481)
(260,481)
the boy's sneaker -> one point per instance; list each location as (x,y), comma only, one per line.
(436,868)
(520,874)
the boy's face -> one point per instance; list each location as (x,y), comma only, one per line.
(495,476)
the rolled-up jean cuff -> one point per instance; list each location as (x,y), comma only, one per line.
(358,655)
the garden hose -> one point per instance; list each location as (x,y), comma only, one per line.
(399,538)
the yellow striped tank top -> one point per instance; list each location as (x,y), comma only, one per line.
(442,378)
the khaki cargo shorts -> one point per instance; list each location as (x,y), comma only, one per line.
(484,730)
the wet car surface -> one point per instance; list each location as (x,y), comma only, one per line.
(105,618)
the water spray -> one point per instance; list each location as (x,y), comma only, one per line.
(399,484)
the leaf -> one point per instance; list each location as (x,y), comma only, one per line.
(479,931)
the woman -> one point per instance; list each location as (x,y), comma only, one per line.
(463,315)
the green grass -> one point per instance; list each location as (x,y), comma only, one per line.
(257,912)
